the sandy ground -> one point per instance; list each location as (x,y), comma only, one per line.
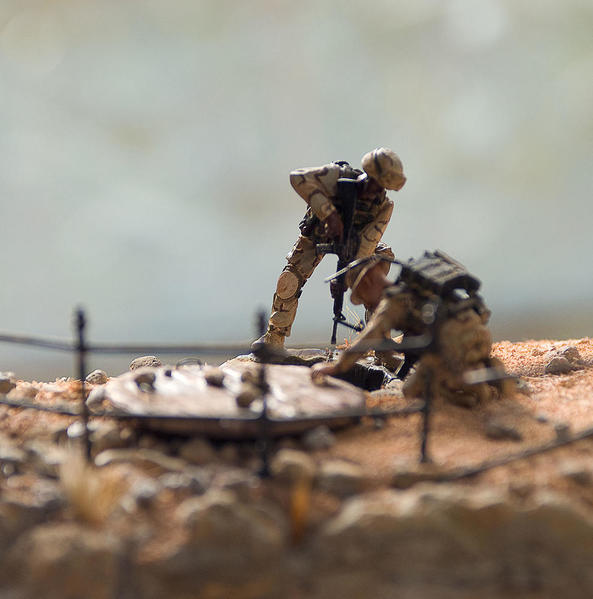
(458,439)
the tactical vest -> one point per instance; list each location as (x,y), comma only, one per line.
(366,207)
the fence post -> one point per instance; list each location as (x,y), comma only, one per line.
(81,349)
(424,457)
(264,433)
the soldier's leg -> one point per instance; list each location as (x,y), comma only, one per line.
(302,261)
(389,359)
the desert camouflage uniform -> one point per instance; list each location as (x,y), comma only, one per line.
(463,343)
(318,186)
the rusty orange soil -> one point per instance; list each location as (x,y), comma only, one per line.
(458,440)
(458,436)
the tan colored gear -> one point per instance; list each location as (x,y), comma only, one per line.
(384,165)
(288,285)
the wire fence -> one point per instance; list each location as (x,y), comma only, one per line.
(80,348)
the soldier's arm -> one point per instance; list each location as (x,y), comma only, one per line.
(389,314)
(317,186)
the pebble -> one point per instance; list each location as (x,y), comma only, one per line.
(23,391)
(97,377)
(248,393)
(571,353)
(319,438)
(145,361)
(96,398)
(291,465)
(558,365)
(12,459)
(214,376)
(145,491)
(109,435)
(7,382)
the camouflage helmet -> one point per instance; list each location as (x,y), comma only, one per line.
(385,167)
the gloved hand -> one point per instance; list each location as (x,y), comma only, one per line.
(334,227)
(335,288)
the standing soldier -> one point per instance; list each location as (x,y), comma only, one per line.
(323,222)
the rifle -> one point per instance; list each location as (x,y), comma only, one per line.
(345,249)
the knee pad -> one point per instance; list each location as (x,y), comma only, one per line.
(289,284)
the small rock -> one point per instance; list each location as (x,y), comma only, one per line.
(145,491)
(558,365)
(319,438)
(291,465)
(214,376)
(248,393)
(75,430)
(145,361)
(571,353)
(96,398)
(249,376)
(541,417)
(340,478)
(12,459)
(500,431)
(109,435)
(7,382)
(198,451)
(23,391)
(97,377)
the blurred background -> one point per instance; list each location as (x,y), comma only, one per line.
(145,149)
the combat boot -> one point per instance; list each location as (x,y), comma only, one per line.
(272,337)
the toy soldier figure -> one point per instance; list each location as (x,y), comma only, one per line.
(323,222)
(436,298)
